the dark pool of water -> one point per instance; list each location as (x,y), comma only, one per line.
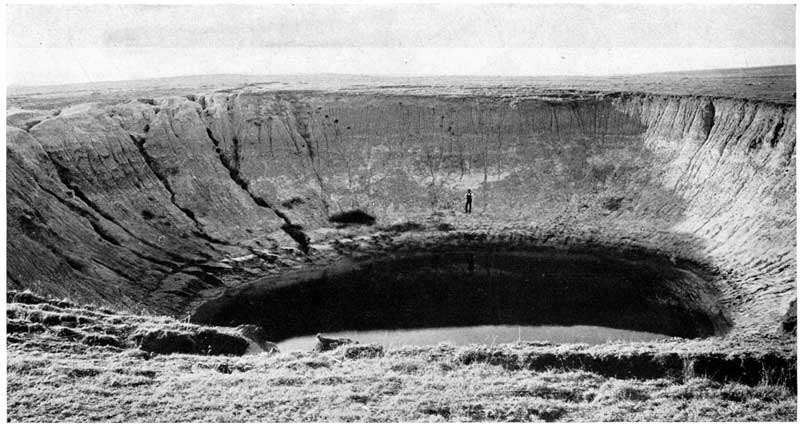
(484,334)
(476,289)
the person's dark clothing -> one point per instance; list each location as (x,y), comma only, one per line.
(468,205)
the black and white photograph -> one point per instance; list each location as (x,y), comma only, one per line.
(400,212)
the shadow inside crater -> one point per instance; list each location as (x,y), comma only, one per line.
(465,289)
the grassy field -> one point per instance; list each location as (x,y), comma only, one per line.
(404,385)
(771,84)
(68,362)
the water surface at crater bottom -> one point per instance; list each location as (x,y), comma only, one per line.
(483,334)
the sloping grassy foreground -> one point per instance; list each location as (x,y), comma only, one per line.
(71,363)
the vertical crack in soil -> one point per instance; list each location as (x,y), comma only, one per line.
(293,230)
(65,177)
(153,165)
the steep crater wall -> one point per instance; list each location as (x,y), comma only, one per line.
(120,203)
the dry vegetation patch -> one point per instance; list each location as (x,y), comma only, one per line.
(105,369)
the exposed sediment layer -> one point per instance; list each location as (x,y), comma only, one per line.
(124,204)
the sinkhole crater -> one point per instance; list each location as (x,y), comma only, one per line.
(478,287)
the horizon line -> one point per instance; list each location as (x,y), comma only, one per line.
(311,74)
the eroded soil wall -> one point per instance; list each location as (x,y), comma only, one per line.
(115,203)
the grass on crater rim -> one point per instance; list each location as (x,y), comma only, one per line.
(60,368)
(405,385)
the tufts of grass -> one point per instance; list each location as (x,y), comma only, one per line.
(58,374)
(405,367)
(434,408)
(25,365)
(330,380)
(548,391)
(68,333)
(363,351)
(359,398)
(26,297)
(84,372)
(620,390)
(761,393)
(92,384)
(102,340)
(286,380)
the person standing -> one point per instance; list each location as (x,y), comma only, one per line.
(468,205)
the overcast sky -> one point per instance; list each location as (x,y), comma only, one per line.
(82,43)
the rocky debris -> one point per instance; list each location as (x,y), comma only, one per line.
(325,344)
(203,342)
(266,255)
(238,259)
(259,336)
(166,341)
(214,265)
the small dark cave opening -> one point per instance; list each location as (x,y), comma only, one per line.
(475,288)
